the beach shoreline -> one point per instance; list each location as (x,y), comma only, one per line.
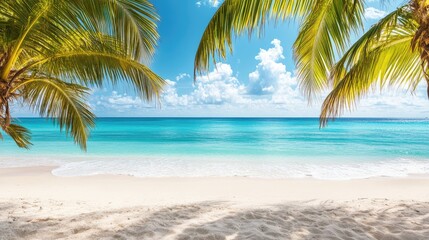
(37,205)
(39,182)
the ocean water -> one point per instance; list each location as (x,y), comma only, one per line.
(253,147)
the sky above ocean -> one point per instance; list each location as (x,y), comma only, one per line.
(258,79)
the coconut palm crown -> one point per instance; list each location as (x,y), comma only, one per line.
(393,52)
(53,51)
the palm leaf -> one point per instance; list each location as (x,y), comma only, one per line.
(325,29)
(377,35)
(92,68)
(19,134)
(132,22)
(389,60)
(235,17)
(50,51)
(62,102)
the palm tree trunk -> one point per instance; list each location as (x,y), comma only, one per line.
(7,115)
(421,39)
(4,104)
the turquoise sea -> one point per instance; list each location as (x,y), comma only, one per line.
(254,147)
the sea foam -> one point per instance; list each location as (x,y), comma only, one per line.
(214,147)
(173,167)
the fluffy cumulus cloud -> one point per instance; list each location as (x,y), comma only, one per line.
(272,80)
(269,90)
(374,13)
(264,79)
(219,87)
(122,102)
(182,76)
(113,103)
(216,88)
(210,3)
(170,97)
(270,85)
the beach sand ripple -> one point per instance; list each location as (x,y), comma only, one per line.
(357,219)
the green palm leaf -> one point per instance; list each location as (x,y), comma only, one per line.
(19,134)
(382,57)
(378,34)
(326,28)
(394,52)
(62,102)
(235,17)
(51,51)
(132,22)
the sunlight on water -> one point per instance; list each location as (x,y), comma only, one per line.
(348,148)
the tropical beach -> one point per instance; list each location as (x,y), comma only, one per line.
(214,119)
(37,205)
(175,193)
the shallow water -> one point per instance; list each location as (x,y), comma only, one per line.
(261,147)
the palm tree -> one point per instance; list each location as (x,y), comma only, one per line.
(393,52)
(53,51)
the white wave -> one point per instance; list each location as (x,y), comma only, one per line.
(226,166)
(172,167)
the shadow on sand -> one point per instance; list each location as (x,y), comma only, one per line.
(379,219)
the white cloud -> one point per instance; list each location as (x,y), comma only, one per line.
(273,81)
(270,90)
(210,3)
(170,97)
(396,100)
(219,87)
(215,3)
(374,13)
(182,76)
(122,102)
(216,88)
(269,70)
(270,85)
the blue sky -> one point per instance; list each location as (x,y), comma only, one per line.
(257,80)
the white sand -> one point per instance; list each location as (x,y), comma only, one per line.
(36,205)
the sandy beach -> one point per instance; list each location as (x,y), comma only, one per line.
(37,205)
(214,120)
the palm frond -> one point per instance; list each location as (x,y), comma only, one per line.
(398,20)
(33,17)
(235,17)
(132,22)
(325,29)
(51,50)
(90,59)
(92,68)
(388,61)
(62,102)
(19,134)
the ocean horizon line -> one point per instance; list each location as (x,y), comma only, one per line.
(294,118)
(351,148)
